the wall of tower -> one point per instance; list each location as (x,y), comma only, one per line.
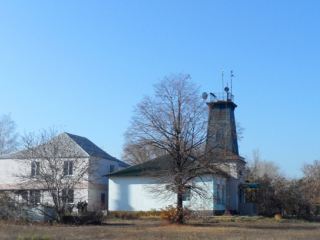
(222,134)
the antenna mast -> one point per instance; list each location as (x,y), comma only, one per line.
(231,78)
(222,79)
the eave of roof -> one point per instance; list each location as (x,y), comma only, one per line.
(148,168)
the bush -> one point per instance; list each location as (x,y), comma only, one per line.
(11,210)
(134,215)
(88,218)
(170,214)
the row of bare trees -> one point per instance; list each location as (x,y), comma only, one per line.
(279,194)
(173,122)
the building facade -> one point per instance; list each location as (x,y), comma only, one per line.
(82,169)
(131,189)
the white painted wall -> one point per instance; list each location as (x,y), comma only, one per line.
(10,169)
(203,202)
(98,181)
(137,194)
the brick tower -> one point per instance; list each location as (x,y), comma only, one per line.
(222,133)
(222,144)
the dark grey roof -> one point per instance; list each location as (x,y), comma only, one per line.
(85,144)
(143,168)
(92,149)
(158,164)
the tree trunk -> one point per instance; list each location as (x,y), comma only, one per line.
(180,215)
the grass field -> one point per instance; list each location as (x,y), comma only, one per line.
(216,228)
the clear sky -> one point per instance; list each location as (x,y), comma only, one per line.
(82,66)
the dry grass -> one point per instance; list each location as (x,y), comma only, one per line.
(216,228)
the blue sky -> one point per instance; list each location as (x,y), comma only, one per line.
(82,66)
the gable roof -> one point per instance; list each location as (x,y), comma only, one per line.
(92,149)
(80,145)
(156,165)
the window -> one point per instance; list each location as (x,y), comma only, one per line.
(35,169)
(103,201)
(68,168)
(187,194)
(21,196)
(24,196)
(111,168)
(35,197)
(220,196)
(68,195)
(223,200)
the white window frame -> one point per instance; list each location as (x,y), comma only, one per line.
(35,168)
(68,167)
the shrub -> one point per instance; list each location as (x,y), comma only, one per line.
(134,215)
(170,214)
(87,218)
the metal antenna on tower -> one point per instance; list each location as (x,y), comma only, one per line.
(222,79)
(231,78)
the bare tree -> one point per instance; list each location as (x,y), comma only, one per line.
(239,130)
(311,185)
(8,135)
(173,121)
(139,152)
(276,194)
(259,168)
(57,168)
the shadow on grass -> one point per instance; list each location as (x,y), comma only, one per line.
(117,224)
(283,227)
(275,226)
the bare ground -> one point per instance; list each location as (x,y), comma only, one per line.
(156,229)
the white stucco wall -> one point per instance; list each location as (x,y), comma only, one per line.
(98,182)
(9,171)
(136,194)
(205,201)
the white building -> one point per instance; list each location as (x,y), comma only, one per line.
(93,187)
(134,188)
